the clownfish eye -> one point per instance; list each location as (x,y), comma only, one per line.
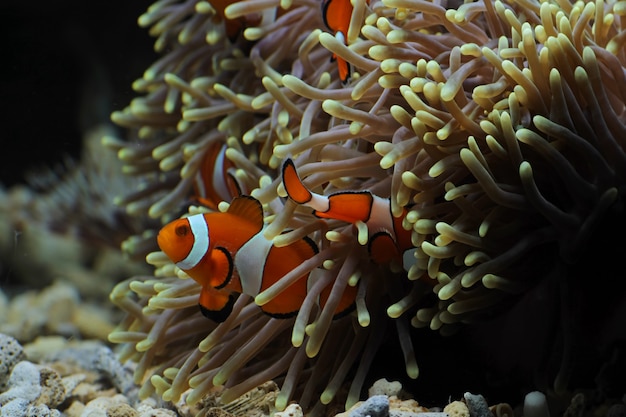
(182,230)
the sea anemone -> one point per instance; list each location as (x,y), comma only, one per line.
(498,126)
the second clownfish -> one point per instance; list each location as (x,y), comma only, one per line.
(387,241)
(336,15)
(214,182)
(227,254)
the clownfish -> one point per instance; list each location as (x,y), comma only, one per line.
(214,181)
(336,15)
(387,241)
(227,254)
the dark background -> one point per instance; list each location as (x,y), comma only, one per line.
(65,66)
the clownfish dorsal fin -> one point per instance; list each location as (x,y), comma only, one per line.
(248,208)
(293,185)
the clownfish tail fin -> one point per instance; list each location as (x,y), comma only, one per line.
(293,185)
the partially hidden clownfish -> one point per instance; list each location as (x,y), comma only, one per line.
(387,240)
(215,182)
(336,15)
(232,27)
(227,254)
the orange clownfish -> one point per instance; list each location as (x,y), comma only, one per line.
(387,241)
(227,254)
(214,181)
(336,15)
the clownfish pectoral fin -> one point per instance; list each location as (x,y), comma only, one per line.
(248,208)
(222,266)
(215,305)
(382,248)
(293,185)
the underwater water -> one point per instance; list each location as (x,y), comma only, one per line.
(73,266)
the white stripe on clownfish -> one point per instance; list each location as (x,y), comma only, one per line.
(250,262)
(201,242)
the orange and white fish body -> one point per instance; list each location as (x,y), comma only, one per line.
(214,182)
(387,241)
(226,253)
(336,15)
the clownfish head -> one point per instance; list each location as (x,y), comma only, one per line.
(185,241)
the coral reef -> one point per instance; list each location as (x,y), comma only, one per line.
(494,129)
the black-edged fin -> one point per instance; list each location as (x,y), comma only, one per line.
(248,208)
(325,5)
(234,186)
(312,244)
(382,248)
(222,264)
(280,315)
(293,185)
(216,305)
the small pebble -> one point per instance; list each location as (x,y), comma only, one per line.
(292,410)
(477,405)
(52,388)
(376,406)
(384,387)
(24,383)
(11,352)
(535,405)
(41,410)
(457,409)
